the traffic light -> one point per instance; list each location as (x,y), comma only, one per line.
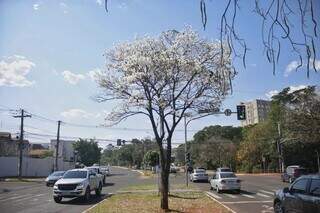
(188,159)
(119,142)
(241,112)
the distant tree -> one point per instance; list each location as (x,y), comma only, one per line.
(163,78)
(88,151)
(151,158)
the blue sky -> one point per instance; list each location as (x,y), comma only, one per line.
(48,49)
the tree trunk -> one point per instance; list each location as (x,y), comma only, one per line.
(164,188)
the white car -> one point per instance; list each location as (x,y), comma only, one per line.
(225,181)
(97,170)
(199,175)
(77,183)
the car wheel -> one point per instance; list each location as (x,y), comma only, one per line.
(278,207)
(99,189)
(211,188)
(47,184)
(86,196)
(104,180)
(290,180)
(218,190)
(57,199)
(238,191)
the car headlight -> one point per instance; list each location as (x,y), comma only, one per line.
(47,179)
(55,186)
(80,185)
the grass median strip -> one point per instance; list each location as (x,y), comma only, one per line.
(150,202)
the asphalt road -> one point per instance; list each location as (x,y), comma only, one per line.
(256,194)
(31,197)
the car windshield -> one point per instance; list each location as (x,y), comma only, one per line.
(227,175)
(75,174)
(57,174)
(199,171)
(225,170)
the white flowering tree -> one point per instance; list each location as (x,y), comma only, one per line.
(164,78)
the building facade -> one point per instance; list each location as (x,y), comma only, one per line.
(256,111)
(9,146)
(66,150)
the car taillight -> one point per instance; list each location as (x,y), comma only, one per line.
(223,181)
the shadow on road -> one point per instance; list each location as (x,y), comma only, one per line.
(79,201)
(108,184)
(117,174)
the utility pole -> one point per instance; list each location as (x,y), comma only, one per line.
(57,146)
(185,148)
(280,151)
(22,116)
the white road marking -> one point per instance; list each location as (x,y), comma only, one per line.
(231,196)
(262,195)
(249,201)
(15,197)
(29,197)
(267,192)
(249,196)
(214,195)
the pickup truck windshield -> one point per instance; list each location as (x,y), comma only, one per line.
(75,174)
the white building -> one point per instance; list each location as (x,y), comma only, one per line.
(66,151)
(256,111)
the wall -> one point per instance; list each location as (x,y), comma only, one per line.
(31,167)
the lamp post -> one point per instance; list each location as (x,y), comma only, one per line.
(206,112)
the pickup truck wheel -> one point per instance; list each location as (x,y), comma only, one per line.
(99,189)
(57,199)
(86,196)
(218,190)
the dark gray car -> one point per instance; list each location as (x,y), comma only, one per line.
(302,196)
(53,177)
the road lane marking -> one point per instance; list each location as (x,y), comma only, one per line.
(267,192)
(249,201)
(212,198)
(214,195)
(231,196)
(249,196)
(15,197)
(29,197)
(262,195)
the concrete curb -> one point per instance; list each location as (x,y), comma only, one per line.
(212,198)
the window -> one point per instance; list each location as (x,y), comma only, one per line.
(300,186)
(315,187)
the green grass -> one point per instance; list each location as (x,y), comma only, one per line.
(150,202)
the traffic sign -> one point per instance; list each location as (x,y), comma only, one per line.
(228,112)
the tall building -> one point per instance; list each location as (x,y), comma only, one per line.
(256,111)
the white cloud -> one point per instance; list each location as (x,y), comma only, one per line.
(292,89)
(36,6)
(271,93)
(13,71)
(295,88)
(76,113)
(99,2)
(93,74)
(72,78)
(64,7)
(291,67)
(80,113)
(122,6)
(294,64)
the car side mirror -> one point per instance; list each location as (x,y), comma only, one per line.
(286,190)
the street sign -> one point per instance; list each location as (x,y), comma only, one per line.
(241,112)
(228,112)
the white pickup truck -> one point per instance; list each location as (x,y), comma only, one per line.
(77,183)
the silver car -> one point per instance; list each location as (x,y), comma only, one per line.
(199,175)
(225,181)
